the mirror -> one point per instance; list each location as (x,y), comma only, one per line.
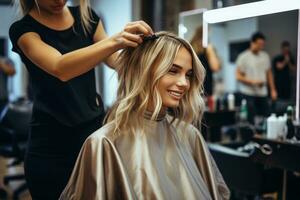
(230,38)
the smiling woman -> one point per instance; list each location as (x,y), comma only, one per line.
(172,77)
(176,82)
(144,152)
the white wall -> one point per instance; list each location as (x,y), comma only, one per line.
(116,14)
(279,27)
(204,4)
(18,81)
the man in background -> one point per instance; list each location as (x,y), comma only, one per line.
(6,70)
(255,75)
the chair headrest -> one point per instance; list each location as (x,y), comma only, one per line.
(226,150)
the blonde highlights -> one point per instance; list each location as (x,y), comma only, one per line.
(139,71)
(85,14)
(26,5)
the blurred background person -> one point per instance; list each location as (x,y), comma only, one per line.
(208,58)
(254,75)
(7,70)
(283,66)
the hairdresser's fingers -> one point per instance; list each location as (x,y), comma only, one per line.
(125,39)
(129,43)
(132,37)
(146,26)
(138,27)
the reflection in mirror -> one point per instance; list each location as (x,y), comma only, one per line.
(191,29)
(231,38)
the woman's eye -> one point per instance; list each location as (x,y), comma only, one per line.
(172,71)
(189,75)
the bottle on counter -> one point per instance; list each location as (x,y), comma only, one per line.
(281,127)
(230,101)
(211,103)
(243,111)
(272,127)
(289,123)
(220,105)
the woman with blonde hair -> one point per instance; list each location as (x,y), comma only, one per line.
(60,46)
(148,148)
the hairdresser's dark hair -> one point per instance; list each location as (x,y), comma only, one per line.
(285,44)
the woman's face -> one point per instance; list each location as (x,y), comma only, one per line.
(174,85)
(51,6)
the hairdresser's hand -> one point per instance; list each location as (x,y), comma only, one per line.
(273,94)
(258,83)
(131,34)
(280,65)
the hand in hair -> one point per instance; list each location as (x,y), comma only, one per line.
(132,34)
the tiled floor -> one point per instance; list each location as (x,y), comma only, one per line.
(13,185)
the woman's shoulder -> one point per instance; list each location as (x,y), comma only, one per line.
(187,134)
(24,21)
(184,128)
(106,132)
(21,26)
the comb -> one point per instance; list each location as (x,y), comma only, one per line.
(149,38)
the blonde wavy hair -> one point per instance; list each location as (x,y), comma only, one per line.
(85,11)
(140,70)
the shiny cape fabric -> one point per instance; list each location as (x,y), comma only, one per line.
(162,161)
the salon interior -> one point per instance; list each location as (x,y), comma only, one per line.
(259,158)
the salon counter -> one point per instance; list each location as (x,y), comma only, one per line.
(285,154)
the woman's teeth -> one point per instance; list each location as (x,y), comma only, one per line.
(176,94)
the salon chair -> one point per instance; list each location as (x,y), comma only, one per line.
(245,178)
(214,121)
(3,194)
(14,130)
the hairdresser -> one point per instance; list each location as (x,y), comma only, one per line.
(60,47)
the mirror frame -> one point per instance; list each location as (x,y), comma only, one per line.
(185,14)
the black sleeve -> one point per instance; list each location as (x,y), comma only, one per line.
(16,30)
(292,59)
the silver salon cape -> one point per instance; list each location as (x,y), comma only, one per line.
(164,161)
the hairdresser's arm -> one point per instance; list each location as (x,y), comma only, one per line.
(271,84)
(75,63)
(213,60)
(100,34)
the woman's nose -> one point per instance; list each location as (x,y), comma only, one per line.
(182,81)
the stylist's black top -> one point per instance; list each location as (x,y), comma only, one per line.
(72,102)
(282,78)
(208,82)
